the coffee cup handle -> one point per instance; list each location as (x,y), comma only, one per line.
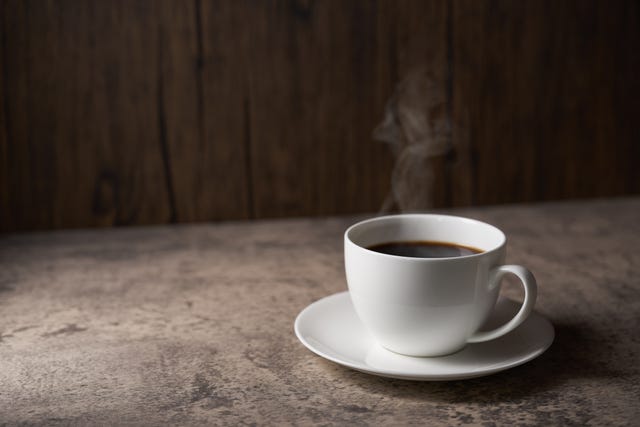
(530,293)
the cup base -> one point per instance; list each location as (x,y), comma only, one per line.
(422,354)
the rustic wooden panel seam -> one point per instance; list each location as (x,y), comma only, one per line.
(5,130)
(450,156)
(162,132)
(248,156)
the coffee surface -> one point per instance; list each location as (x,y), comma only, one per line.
(424,249)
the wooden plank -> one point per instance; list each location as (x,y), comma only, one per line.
(146,112)
(5,215)
(321,74)
(618,100)
(17,190)
(540,83)
(419,52)
(206,101)
(313,105)
(85,139)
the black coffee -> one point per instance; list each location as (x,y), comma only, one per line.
(424,249)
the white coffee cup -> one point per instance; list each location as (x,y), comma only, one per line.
(430,306)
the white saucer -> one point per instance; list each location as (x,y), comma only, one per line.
(330,328)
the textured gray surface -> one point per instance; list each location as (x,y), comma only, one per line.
(194,325)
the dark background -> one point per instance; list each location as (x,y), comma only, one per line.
(144,112)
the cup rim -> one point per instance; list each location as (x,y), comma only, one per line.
(502,244)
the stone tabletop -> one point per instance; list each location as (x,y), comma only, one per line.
(194,325)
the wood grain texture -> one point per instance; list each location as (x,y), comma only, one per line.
(413,36)
(135,112)
(321,75)
(313,104)
(83,115)
(549,87)
(207,109)
(5,182)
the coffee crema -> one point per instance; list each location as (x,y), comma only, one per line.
(424,249)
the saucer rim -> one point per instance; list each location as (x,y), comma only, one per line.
(403,375)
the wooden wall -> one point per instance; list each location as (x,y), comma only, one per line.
(145,111)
